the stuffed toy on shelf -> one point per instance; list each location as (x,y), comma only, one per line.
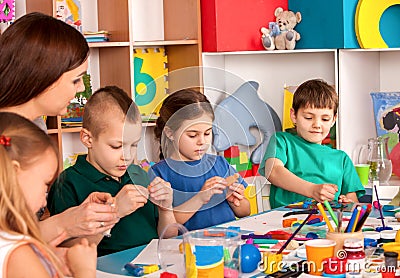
(281,34)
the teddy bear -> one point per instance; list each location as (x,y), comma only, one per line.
(281,34)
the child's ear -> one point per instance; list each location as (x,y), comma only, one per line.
(169,133)
(16,165)
(86,137)
(334,120)
(293,115)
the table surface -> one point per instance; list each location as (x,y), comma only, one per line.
(262,222)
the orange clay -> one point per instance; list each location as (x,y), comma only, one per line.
(232,179)
(207,233)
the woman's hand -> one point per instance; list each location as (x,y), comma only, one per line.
(161,193)
(99,198)
(130,198)
(214,185)
(82,259)
(94,216)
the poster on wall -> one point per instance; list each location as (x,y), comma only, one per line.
(151,80)
(7,10)
(70,11)
(386,112)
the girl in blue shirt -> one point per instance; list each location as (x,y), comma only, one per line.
(202,195)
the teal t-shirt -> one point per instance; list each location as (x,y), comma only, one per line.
(312,162)
(78,181)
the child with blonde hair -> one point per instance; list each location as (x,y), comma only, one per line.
(28,160)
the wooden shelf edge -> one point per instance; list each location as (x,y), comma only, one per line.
(107,44)
(78,129)
(52,131)
(370,49)
(71,129)
(161,43)
(274,52)
(144,124)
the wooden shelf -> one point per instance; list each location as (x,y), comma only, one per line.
(52,131)
(71,129)
(275,52)
(107,44)
(162,43)
(148,124)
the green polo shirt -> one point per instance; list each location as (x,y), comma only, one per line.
(78,181)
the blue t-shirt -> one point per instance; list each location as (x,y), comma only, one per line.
(188,177)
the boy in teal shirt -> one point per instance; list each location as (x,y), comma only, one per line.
(111,131)
(298,166)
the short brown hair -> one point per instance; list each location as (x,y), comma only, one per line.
(315,93)
(109,98)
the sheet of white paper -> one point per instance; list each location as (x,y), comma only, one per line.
(170,252)
(171,258)
(261,223)
(102,274)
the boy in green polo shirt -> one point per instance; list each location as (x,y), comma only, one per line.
(298,166)
(111,130)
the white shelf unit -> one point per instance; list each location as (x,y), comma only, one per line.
(224,72)
(355,73)
(362,71)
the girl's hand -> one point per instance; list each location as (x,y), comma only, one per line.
(61,252)
(214,185)
(82,259)
(235,194)
(130,198)
(322,192)
(161,193)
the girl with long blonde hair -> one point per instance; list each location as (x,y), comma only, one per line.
(28,165)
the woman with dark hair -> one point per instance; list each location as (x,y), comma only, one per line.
(42,61)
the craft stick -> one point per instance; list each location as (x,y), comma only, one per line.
(295,233)
(353,228)
(326,219)
(379,206)
(331,213)
(251,235)
(364,218)
(363,210)
(340,218)
(352,219)
(265,241)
